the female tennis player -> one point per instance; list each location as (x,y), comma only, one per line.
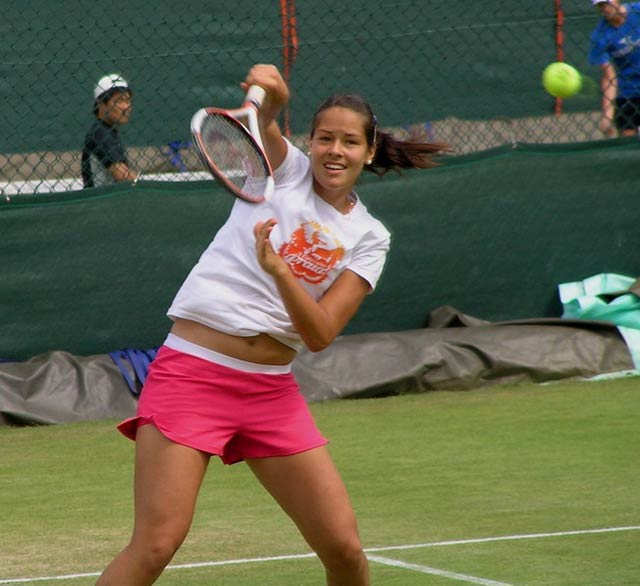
(279,274)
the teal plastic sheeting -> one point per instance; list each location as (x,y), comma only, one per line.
(608,297)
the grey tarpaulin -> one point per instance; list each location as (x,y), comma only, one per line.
(57,387)
(461,352)
(455,352)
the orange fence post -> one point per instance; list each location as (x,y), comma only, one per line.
(289,47)
(559,45)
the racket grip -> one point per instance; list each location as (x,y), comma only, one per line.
(255,95)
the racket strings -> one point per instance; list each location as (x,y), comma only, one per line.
(230,148)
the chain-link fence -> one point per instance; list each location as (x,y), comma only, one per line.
(466,72)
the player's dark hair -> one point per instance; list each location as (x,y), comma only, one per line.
(390,153)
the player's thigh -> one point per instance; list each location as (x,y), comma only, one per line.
(168,477)
(310,490)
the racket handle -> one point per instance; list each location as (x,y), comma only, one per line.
(255,95)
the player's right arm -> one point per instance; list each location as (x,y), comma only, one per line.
(609,88)
(268,77)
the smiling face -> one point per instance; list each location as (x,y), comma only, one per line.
(338,151)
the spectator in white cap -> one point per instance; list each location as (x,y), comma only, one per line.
(615,47)
(104,160)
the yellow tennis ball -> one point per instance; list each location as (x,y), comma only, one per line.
(561,80)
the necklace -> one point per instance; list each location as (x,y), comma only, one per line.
(351,203)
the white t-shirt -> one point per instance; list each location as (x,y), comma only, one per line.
(228,290)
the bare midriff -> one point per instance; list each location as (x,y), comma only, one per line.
(262,349)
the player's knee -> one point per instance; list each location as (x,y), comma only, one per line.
(345,556)
(155,552)
(162,550)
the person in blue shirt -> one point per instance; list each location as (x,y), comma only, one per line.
(615,47)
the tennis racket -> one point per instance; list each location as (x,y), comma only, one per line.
(230,146)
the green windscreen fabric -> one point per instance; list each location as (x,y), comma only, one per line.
(492,235)
(94,274)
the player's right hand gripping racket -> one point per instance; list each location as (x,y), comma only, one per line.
(230,146)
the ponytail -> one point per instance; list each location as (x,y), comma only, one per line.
(393,154)
(390,153)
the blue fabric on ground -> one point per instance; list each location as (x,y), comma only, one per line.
(139,360)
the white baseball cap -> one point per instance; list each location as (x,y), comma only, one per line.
(109,82)
(594,2)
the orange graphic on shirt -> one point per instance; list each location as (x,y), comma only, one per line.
(311,252)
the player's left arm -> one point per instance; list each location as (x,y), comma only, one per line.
(320,322)
(317,322)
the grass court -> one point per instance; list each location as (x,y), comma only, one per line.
(521,485)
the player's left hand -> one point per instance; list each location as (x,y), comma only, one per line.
(270,261)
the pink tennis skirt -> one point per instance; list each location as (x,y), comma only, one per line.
(224,411)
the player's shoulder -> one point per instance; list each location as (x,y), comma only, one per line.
(294,153)
(376,229)
(380,230)
(294,166)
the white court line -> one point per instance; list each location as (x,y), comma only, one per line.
(369,549)
(436,572)
(504,538)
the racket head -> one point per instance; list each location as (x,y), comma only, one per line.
(232,154)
